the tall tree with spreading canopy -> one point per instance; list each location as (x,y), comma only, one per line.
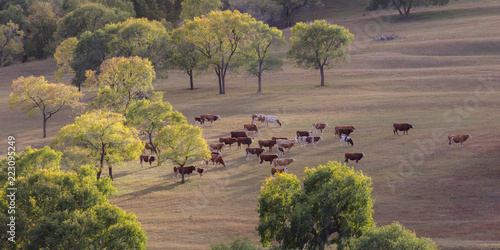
(198,8)
(64,57)
(105,138)
(35,95)
(291,7)
(319,45)
(182,143)
(218,37)
(403,6)
(121,80)
(333,207)
(11,43)
(43,23)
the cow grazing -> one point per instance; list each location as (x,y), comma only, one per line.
(272,119)
(210,118)
(300,134)
(228,141)
(244,140)
(148,158)
(346,139)
(254,151)
(311,140)
(353,157)
(187,170)
(258,117)
(268,157)
(199,120)
(283,162)
(216,159)
(217,146)
(281,151)
(251,127)
(286,145)
(402,127)
(458,139)
(267,143)
(275,170)
(319,126)
(200,171)
(344,130)
(236,134)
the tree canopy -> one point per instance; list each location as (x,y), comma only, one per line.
(318,45)
(403,6)
(291,7)
(64,57)
(197,8)
(35,95)
(333,207)
(11,43)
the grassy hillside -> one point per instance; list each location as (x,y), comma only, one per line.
(443,76)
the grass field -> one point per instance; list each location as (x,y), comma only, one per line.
(443,77)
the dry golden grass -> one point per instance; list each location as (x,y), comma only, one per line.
(443,77)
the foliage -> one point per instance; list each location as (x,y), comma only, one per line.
(332,208)
(291,7)
(392,237)
(105,138)
(119,82)
(198,8)
(269,12)
(11,43)
(403,6)
(181,143)
(238,244)
(35,95)
(40,44)
(64,57)
(318,45)
(158,10)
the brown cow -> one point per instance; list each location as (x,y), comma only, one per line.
(251,127)
(311,140)
(199,120)
(228,141)
(275,170)
(319,126)
(210,118)
(258,117)
(244,140)
(147,158)
(217,146)
(268,158)
(281,151)
(254,151)
(283,162)
(267,143)
(149,146)
(236,134)
(353,157)
(344,130)
(200,171)
(216,159)
(402,127)
(300,134)
(458,139)
(187,170)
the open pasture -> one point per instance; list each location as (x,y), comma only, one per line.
(444,77)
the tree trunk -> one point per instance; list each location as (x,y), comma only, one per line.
(260,78)
(101,164)
(44,126)
(110,171)
(223,85)
(322,71)
(190,73)
(99,174)
(182,173)
(220,83)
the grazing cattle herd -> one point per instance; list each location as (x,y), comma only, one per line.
(282,144)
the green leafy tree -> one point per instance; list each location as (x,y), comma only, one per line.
(291,7)
(120,81)
(197,8)
(392,237)
(318,45)
(181,144)
(218,37)
(35,95)
(261,41)
(11,43)
(269,12)
(157,10)
(333,207)
(105,138)
(43,22)
(64,57)
(403,6)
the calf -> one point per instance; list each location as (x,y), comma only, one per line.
(216,159)
(275,170)
(300,134)
(268,158)
(199,120)
(458,139)
(236,134)
(272,119)
(346,139)
(147,158)
(283,162)
(402,127)
(281,151)
(187,170)
(251,127)
(311,140)
(244,140)
(267,143)
(254,151)
(210,118)
(200,171)
(319,126)
(228,141)
(217,146)
(353,157)
(344,130)
(258,117)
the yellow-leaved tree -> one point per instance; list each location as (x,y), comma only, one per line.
(64,57)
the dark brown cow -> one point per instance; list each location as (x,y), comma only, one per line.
(353,157)
(200,171)
(254,151)
(275,170)
(210,118)
(267,143)
(300,134)
(402,127)
(458,139)
(217,146)
(236,134)
(216,159)
(147,158)
(258,117)
(251,127)
(228,141)
(244,140)
(199,120)
(319,126)
(311,140)
(268,158)
(187,170)
(344,130)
